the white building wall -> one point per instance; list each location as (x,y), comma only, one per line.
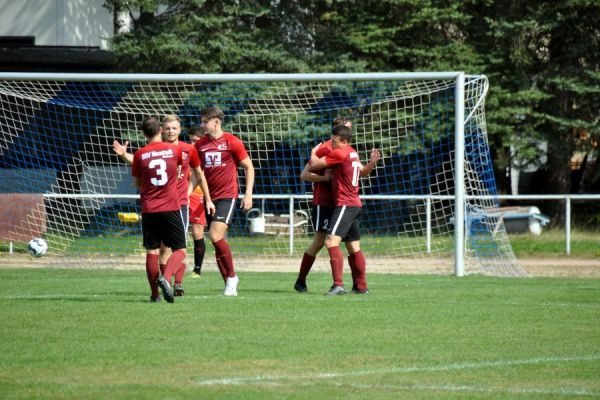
(57,22)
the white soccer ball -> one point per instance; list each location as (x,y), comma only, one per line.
(37,247)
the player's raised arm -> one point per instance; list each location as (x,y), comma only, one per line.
(370,166)
(121,151)
(246,163)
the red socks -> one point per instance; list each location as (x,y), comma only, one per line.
(173,263)
(152,273)
(337,265)
(305,266)
(224,256)
(180,273)
(359,269)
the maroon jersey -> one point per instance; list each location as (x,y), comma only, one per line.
(323,191)
(220,158)
(345,176)
(189,157)
(157,165)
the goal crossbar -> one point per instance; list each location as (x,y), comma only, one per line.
(100,77)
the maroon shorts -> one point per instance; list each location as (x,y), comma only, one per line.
(197,212)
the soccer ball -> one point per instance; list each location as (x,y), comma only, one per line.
(37,247)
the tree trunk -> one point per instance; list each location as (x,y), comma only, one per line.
(559,173)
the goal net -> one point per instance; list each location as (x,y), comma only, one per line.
(60,180)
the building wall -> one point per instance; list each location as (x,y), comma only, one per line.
(57,22)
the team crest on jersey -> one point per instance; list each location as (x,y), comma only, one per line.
(222,146)
(353,154)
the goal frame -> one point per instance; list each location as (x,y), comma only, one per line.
(459,99)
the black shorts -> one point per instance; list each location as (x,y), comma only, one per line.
(321,216)
(166,227)
(345,223)
(224,211)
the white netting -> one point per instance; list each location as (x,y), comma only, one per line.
(56,139)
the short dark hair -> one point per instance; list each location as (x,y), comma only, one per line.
(213,112)
(150,126)
(340,121)
(343,132)
(196,131)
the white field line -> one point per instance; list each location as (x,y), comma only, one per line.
(267,379)
(90,296)
(480,389)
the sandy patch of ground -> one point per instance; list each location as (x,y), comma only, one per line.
(551,267)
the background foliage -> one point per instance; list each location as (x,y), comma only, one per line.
(542,58)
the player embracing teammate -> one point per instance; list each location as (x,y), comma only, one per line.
(323,206)
(344,223)
(158,172)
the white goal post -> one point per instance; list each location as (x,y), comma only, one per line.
(61,181)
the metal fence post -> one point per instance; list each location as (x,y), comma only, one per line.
(568,224)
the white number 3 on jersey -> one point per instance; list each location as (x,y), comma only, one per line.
(160,167)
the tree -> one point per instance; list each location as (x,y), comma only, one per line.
(541,58)
(544,69)
(198,36)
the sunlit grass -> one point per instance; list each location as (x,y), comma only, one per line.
(93,334)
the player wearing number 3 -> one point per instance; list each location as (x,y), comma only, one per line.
(156,168)
(344,224)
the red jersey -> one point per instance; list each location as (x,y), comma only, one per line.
(189,157)
(345,176)
(157,165)
(220,158)
(323,191)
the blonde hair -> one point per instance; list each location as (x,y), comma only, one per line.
(170,118)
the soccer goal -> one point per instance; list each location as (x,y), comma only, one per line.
(429,206)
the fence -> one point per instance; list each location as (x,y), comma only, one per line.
(568,199)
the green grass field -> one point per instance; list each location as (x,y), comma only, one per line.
(91,334)
(584,244)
